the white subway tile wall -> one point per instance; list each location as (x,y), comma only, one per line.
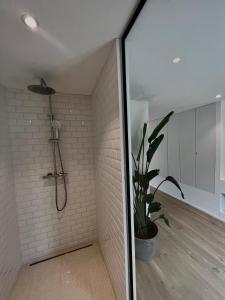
(43,230)
(109,195)
(10,258)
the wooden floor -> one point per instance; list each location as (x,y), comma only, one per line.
(190,259)
(80,275)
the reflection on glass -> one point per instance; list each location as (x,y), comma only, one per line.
(175,62)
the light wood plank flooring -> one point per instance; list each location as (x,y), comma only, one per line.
(80,275)
(190,259)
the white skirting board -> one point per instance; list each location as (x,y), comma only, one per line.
(200,199)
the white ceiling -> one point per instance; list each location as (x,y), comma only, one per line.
(71,46)
(193,30)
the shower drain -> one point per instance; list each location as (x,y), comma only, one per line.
(61,254)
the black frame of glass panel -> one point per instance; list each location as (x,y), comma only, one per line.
(126,145)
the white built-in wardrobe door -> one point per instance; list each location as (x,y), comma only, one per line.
(187,147)
(206,147)
(173,147)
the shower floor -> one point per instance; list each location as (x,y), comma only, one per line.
(78,275)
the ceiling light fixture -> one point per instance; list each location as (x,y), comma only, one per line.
(176,60)
(218,96)
(30,22)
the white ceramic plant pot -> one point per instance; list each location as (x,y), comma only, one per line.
(145,248)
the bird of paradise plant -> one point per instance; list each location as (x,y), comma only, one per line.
(145,204)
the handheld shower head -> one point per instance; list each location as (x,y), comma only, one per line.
(41,89)
(56,125)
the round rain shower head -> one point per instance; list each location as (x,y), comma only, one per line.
(41,89)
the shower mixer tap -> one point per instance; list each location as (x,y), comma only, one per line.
(53,175)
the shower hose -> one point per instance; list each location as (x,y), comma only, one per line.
(56,147)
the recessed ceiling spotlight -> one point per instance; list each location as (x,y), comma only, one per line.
(30,22)
(218,96)
(176,60)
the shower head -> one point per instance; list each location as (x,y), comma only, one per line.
(42,89)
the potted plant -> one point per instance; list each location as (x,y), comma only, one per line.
(146,208)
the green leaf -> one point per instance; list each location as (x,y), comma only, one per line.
(152,174)
(171,179)
(142,141)
(136,176)
(148,198)
(165,219)
(144,179)
(159,127)
(154,207)
(153,147)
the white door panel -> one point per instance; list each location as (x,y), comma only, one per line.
(173,147)
(187,147)
(206,147)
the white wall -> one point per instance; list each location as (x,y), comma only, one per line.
(210,202)
(43,230)
(109,172)
(10,258)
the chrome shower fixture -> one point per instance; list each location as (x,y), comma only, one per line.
(55,126)
(41,88)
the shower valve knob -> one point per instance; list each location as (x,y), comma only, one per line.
(60,174)
(48,175)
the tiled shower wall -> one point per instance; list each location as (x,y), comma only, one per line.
(43,230)
(10,259)
(109,166)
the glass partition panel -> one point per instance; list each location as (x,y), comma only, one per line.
(175,93)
